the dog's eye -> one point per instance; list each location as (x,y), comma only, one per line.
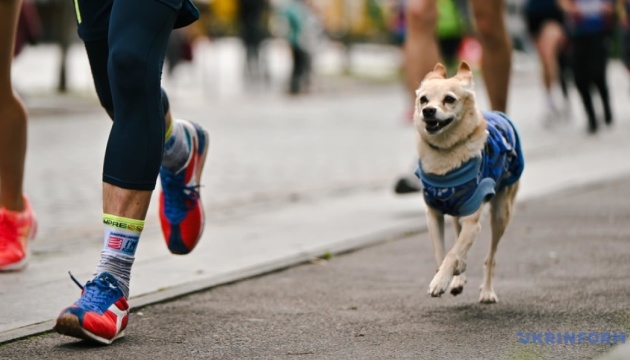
(424,100)
(449,99)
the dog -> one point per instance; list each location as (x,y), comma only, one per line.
(467,158)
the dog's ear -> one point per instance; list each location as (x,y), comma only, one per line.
(439,72)
(440,69)
(464,74)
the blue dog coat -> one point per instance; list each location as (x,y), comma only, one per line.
(461,192)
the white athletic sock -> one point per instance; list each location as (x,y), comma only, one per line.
(121,237)
(176,147)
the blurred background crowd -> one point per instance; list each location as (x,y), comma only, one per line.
(284,46)
(300,26)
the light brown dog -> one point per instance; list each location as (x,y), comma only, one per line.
(455,137)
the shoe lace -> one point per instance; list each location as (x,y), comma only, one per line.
(178,198)
(98,294)
(8,230)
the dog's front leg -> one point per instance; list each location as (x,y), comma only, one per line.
(435,225)
(457,285)
(455,261)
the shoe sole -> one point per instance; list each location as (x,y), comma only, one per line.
(69,325)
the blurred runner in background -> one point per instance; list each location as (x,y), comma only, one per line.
(17,219)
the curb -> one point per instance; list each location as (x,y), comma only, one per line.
(341,247)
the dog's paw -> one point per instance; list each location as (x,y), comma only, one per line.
(488,297)
(457,284)
(440,284)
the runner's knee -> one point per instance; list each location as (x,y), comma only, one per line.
(128,70)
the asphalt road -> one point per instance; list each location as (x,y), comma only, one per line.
(562,267)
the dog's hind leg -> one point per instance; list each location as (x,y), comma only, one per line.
(501,207)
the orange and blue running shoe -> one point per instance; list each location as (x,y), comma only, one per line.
(16,230)
(181,212)
(101,313)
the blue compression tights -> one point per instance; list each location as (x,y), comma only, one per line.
(126,43)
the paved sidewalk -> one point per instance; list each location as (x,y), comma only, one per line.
(561,268)
(287,180)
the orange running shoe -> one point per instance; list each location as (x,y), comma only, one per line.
(16,230)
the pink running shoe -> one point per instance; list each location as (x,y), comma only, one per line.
(181,212)
(16,230)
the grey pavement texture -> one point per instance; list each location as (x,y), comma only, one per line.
(561,267)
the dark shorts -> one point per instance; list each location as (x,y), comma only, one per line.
(93,16)
(535,22)
(449,48)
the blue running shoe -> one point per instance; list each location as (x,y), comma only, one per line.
(181,212)
(100,315)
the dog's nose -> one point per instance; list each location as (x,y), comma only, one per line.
(428,112)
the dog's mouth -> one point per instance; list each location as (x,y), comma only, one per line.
(434,126)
